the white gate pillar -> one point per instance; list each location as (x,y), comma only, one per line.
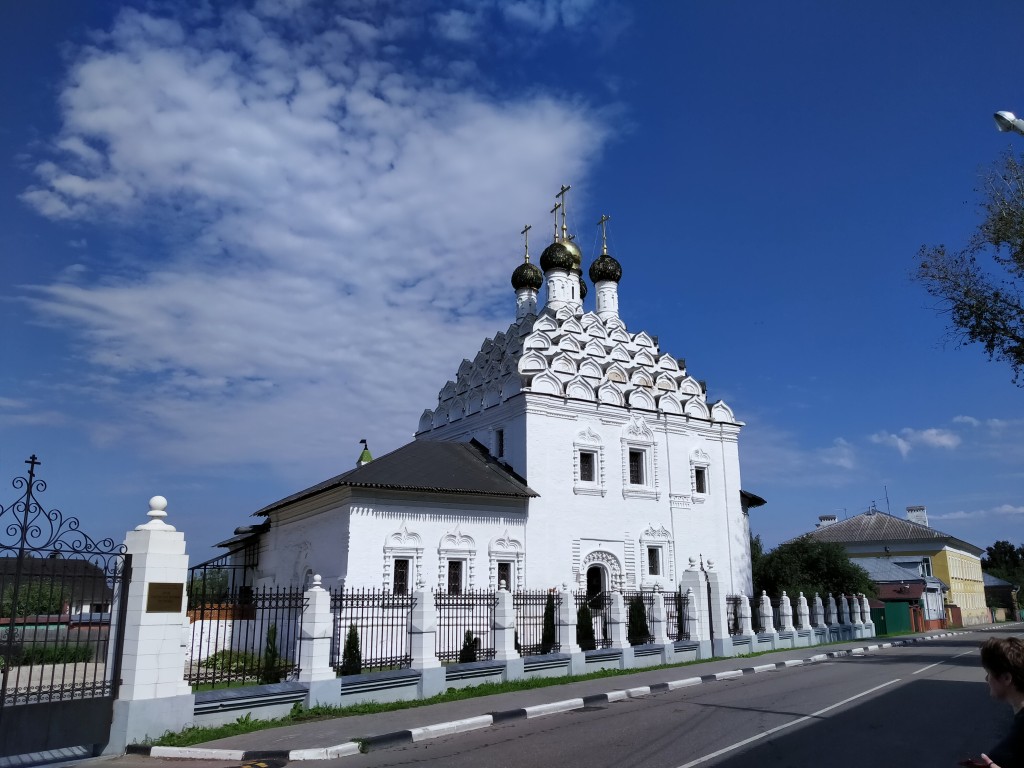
(153,697)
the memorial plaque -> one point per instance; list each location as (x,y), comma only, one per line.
(164,597)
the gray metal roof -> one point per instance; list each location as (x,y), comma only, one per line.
(874,526)
(882,569)
(995,581)
(426,466)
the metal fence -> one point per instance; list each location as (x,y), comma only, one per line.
(677,605)
(732,613)
(245,637)
(380,620)
(638,628)
(464,626)
(597,608)
(531,610)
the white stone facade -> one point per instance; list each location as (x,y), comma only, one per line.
(635,471)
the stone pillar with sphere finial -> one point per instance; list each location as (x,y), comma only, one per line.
(316,630)
(153,696)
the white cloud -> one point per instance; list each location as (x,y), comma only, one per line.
(840,454)
(908,438)
(1002,509)
(1009,509)
(966,420)
(335,228)
(771,455)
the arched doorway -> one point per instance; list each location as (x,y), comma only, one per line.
(596,585)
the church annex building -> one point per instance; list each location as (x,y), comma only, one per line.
(568,449)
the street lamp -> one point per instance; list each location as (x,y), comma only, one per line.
(1007,121)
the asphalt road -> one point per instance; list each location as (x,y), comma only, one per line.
(926,705)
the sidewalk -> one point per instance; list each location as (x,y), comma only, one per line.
(328,739)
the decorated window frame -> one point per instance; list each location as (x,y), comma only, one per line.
(589,442)
(506,549)
(660,539)
(700,476)
(637,437)
(403,544)
(456,545)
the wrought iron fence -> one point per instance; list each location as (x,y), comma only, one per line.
(677,605)
(465,624)
(62,601)
(248,636)
(732,612)
(537,615)
(597,610)
(379,620)
(221,576)
(638,628)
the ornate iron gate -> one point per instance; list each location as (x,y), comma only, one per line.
(63,597)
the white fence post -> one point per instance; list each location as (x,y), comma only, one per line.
(315,637)
(832,618)
(785,613)
(869,624)
(802,614)
(818,616)
(746,619)
(567,624)
(423,643)
(504,628)
(153,697)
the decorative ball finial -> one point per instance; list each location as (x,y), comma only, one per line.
(157,513)
(317,581)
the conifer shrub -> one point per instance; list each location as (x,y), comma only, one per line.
(468,651)
(585,628)
(637,631)
(270,669)
(680,615)
(549,638)
(352,655)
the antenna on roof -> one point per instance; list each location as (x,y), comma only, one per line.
(887,509)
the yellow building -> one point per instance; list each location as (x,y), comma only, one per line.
(911,543)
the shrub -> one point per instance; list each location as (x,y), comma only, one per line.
(270,669)
(232,662)
(352,656)
(585,628)
(637,631)
(680,615)
(56,654)
(548,638)
(468,651)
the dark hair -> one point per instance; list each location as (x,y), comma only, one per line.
(1002,655)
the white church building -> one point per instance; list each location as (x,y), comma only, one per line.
(567,449)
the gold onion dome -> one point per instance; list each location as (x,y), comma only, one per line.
(577,254)
(527,275)
(557,256)
(605,268)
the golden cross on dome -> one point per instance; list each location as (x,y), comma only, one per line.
(526,241)
(605,218)
(565,206)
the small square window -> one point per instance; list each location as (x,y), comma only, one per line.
(654,561)
(700,479)
(400,582)
(636,467)
(455,577)
(588,463)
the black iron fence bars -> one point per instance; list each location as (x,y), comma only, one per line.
(537,617)
(465,624)
(677,607)
(247,636)
(732,611)
(371,630)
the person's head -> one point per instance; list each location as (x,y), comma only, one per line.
(1003,659)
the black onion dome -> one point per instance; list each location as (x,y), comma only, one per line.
(605,268)
(527,275)
(556,256)
(583,285)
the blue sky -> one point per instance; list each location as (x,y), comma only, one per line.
(238,238)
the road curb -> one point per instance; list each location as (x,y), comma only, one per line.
(491,719)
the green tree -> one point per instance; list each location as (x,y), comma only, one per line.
(352,655)
(981,286)
(637,631)
(808,565)
(680,615)
(35,597)
(585,628)
(1006,562)
(548,638)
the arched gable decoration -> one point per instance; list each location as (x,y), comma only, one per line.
(595,349)
(670,404)
(620,354)
(616,372)
(492,396)
(465,367)
(689,386)
(580,389)
(639,398)
(644,358)
(532,362)
(611,394)
(441,416)
(512,385)
(643,340)
(473,402)
(636,429)
(697,408)
(618,333)
(426,420)
(722,412)
(589,319)
(457,409)
(545,323)
(447,391)
(641,378)
(665,383)
(546,383)
(563,314)
(591,370)
(537,341)
(562,363)
(572,325)
(569,344)
(668,363)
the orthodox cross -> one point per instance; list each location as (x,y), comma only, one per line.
(526,241)
(605,218)
(555,212)
(565,206)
